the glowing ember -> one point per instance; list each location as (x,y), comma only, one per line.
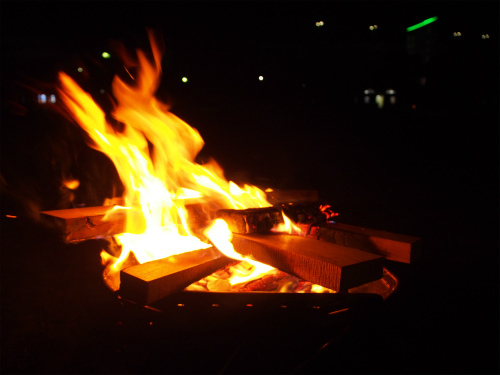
(157,180)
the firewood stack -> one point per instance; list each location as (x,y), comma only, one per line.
(334,255)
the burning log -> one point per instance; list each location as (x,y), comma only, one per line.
(252,220)
(312,223)
(329,265)
(151,281)
(280,196)
(85,223)
(393,246)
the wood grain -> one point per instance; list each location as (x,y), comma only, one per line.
(149,282)
(393,246)
(329,265)
(79,224)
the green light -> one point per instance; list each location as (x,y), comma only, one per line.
(106,55)
(421,24)
(184,79)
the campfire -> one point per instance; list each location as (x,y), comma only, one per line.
(182,227)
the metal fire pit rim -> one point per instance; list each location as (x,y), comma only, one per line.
(376,290)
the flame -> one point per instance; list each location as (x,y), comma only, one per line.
(157,180)
(287,227)
(220,236)
(71,184)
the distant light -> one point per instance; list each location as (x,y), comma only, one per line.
(319,23)
(106,55)
(390,92)
(379,99)
(421,24)
(52,98)
(80,69)
(261,78)
(102,91)
(373,27)
(184,79)
(369,91)
(42,98)
(458,33)
(485,36)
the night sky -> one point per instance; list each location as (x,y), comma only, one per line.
(426,166)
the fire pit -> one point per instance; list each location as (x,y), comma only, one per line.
(180,232)
(180,227)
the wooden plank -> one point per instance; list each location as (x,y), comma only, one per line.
(393,246)
(85,223)
(279,196)
(330,265)
(149,282)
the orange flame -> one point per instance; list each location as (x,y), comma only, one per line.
(287,226)
(156,182)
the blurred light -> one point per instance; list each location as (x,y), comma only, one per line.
(390,91)
(319,23)
(261,78)
(379,99)
(80,69)
(413,106)
(102,91)
(184,79)
(52,98)
(367,99)
(106,55)
(373,27)
(369,91)
(458,33)
(42,98)
(392,99)
(421,24)
(485,36)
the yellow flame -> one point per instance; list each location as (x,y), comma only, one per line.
(157,183)
(221,236)
(287,226)
(71,184)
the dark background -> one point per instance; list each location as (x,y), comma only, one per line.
(426,166)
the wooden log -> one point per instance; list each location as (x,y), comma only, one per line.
(279,196)
(393,246)
(80,224)
(151,281)
(252,220)
(85,223)
(329,265)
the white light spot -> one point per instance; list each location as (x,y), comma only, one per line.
(184,79)
(42,98)
(52,98)
(319,23)
(261,78)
